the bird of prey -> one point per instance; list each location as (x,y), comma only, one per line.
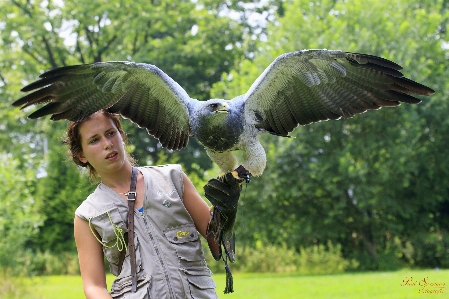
(297,88)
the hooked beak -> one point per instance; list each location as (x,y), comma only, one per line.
(222,108)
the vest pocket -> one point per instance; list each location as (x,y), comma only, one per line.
(197,278)
(111,230)
(186,242)
(121,287)
(200,282)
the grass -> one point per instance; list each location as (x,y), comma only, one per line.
(379,285)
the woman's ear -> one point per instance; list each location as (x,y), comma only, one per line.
(82,158)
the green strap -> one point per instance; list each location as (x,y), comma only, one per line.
(120,243)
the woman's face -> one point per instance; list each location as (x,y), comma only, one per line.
(101,143)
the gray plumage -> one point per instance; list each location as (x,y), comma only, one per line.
(298,88)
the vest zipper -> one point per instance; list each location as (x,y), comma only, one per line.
(156,249)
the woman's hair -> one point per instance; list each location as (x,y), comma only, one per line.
(73,141)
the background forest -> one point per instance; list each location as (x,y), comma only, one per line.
(371,191)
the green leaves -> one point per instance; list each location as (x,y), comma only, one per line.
(18,218)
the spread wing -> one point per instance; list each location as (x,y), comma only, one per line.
(138,91)
(308,86)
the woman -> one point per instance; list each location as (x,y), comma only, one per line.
(168,215)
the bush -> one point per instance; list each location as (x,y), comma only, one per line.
(318,259)
(46,263)
(12,287)
(431,250)
(269,258)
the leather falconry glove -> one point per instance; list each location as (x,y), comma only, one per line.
(223,193)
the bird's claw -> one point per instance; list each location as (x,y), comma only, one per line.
(240,173)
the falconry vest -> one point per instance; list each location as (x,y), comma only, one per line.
(169,256)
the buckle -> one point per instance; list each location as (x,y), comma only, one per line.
(131,195)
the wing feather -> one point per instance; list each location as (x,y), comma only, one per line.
(160,121)
(272,122)
(280,119)
(140,92)
(139,110)
(295,109)
(315,106)
(307,109)
(125,100)
(308,86)
(326,97)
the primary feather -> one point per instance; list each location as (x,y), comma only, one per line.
(297,88)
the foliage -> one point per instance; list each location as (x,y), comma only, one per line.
(18,217)
(321,260)
(268,258)
(48,263)
(12,287)
(61,191)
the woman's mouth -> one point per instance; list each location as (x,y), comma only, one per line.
(112,156)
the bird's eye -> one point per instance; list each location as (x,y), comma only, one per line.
(213,106)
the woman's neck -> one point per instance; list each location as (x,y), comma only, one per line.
(118,180)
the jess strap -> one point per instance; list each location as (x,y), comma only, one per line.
(132,194)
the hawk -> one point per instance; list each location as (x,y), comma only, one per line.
(297,88)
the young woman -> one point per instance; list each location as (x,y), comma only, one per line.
(168,215)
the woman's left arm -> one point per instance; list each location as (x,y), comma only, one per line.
(196,206)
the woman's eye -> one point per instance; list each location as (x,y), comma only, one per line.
(93,140)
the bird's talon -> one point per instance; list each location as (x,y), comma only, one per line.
(235,174)
(240,173)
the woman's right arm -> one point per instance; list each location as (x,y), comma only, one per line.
(90,255)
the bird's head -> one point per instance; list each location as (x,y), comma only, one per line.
(217,106)
(215,113)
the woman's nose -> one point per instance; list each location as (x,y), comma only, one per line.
(108,144)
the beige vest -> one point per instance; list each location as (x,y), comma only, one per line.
(170,259)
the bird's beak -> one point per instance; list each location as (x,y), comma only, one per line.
(223,108)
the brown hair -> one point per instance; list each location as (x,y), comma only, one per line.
(73,141)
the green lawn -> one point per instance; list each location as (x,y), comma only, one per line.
(379,285)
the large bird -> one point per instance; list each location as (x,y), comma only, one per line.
(297,88)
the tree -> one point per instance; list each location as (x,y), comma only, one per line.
(61,190)
(18,217)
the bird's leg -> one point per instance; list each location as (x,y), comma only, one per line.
(241,173)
